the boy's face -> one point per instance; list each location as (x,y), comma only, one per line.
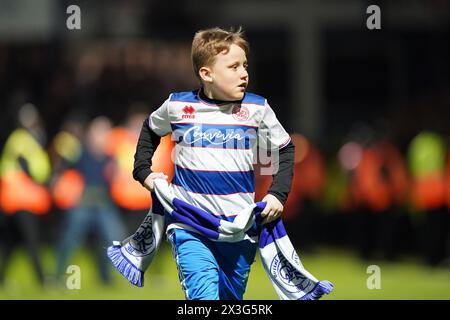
(228,74)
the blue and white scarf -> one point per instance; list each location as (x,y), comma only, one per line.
(290,279)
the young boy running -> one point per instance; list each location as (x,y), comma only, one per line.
(217,129)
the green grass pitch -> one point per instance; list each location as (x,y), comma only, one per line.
(407,279)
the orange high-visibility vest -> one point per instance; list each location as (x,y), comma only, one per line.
(21,193)
(125,191)
(69,185)
(447,181)
(397,172)
(68,189)
(308,181)
(368,186)
(311,174)
(428,192)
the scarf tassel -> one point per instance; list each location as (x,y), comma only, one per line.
(125,267)
(321,288)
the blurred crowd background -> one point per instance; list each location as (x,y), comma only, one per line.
(368,111)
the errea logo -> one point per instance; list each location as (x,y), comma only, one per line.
(188,112)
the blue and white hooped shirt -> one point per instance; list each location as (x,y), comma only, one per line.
(215,150)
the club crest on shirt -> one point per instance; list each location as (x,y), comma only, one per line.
(240,113)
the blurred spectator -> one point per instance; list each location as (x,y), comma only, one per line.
(396,232)
(24,171)
(128,194)
(308,184)
(95,212)
(336,222)
(301,209)
(378,191)
(65,150)
(426,156)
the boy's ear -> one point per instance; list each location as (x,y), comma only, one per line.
(205,74)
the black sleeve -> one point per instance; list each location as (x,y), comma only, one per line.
(146,146)
(282,180)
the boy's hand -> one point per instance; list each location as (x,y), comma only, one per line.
(149,181)
(273,208)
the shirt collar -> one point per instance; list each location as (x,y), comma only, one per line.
(208,100)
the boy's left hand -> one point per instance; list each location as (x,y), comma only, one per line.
(273,208)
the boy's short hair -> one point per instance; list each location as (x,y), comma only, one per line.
(210,42)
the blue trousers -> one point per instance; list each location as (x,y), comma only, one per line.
(210,270)
(103,219)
